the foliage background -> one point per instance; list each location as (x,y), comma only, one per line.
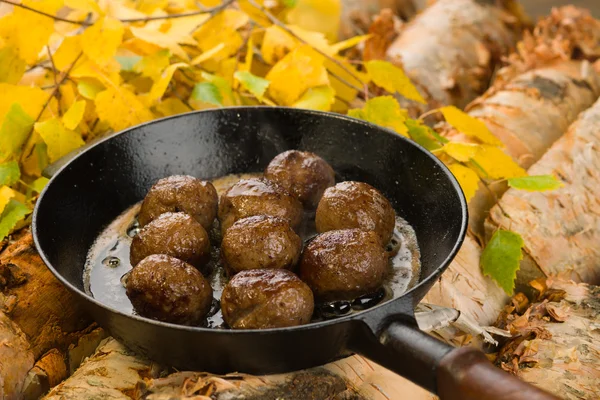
(75,70)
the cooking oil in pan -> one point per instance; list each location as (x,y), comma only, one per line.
(107,266)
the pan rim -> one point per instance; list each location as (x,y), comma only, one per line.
(312,325)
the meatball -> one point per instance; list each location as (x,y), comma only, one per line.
(260,241)
(181,193)
(305,175)
(167,289)
(258,196)
(344,264)
(350,205)
(174,234)
(266,298)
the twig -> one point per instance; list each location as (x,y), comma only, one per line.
(212,10)
(277,22)
(54,70)
(45,14)
(494,197)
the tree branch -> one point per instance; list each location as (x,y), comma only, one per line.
(56,85)
(212,10)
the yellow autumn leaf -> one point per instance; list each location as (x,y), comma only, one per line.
(89,88)
(121,108)
(181,29)
(317,98)
(31,99)
(222,29)
(67,52)
(101,40)
(317,15)
(153,64)
(171,106)
(340,78)
(12,66)
(74,114)
(393,79)
(462,152)
(497,164)
(107,74)
(28,32)
(315,39)
(298,71)
(207,55)
(152,41)
(346,44)
(6,194)
(247,64)
(160,86)
(467,178)
(469,125)
(14,131)
(120,9)
(59,139)
(276,44)
(384,111)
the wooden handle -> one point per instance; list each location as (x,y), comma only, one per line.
(466,374)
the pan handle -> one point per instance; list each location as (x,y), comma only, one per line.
(451,373)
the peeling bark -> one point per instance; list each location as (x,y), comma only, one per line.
(557,340)
(452,48)
(535,99)
(561,228)
(39,320)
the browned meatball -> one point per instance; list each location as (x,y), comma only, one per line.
(167,289)
(266,298)
(261,241)
(304,174)
(350,205)
(174,234)
(258,196)
(181,193)
(344,264)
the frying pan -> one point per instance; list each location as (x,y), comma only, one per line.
(97,185)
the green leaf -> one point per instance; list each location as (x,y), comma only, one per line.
(128,62)
(13,213)
(223,85)
(252,83)
(39,184)
(501,258)
(393,79)
(290,3)
(59,140)
(317,98)
(537,183)
(89,89)
(384,111)
(14,132)
(9,173)
(207,92)
(469,125)
(422,134)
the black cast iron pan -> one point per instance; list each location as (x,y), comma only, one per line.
(112,175)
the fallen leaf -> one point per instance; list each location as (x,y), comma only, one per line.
(462,152)
(13,213)
(317,15)
(67,52)
(6,194)
(59,140)
(100,41)
(276,44)
(497,164)
(393,79)
(469,125)
(501,258)
(467,178)
(12,66)
(74,115)
(89,88)
(153,65)
(317,98)
(171,106)
(298,71)
(121,108)
(160,86)
(384,111)
(536,183)
(422,134)
(207,92)
(252,83)
(9,173)
(14,131)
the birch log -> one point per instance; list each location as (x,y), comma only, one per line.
(534,99)
(561,228)
(452,48)
(39,317)
(557,340)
